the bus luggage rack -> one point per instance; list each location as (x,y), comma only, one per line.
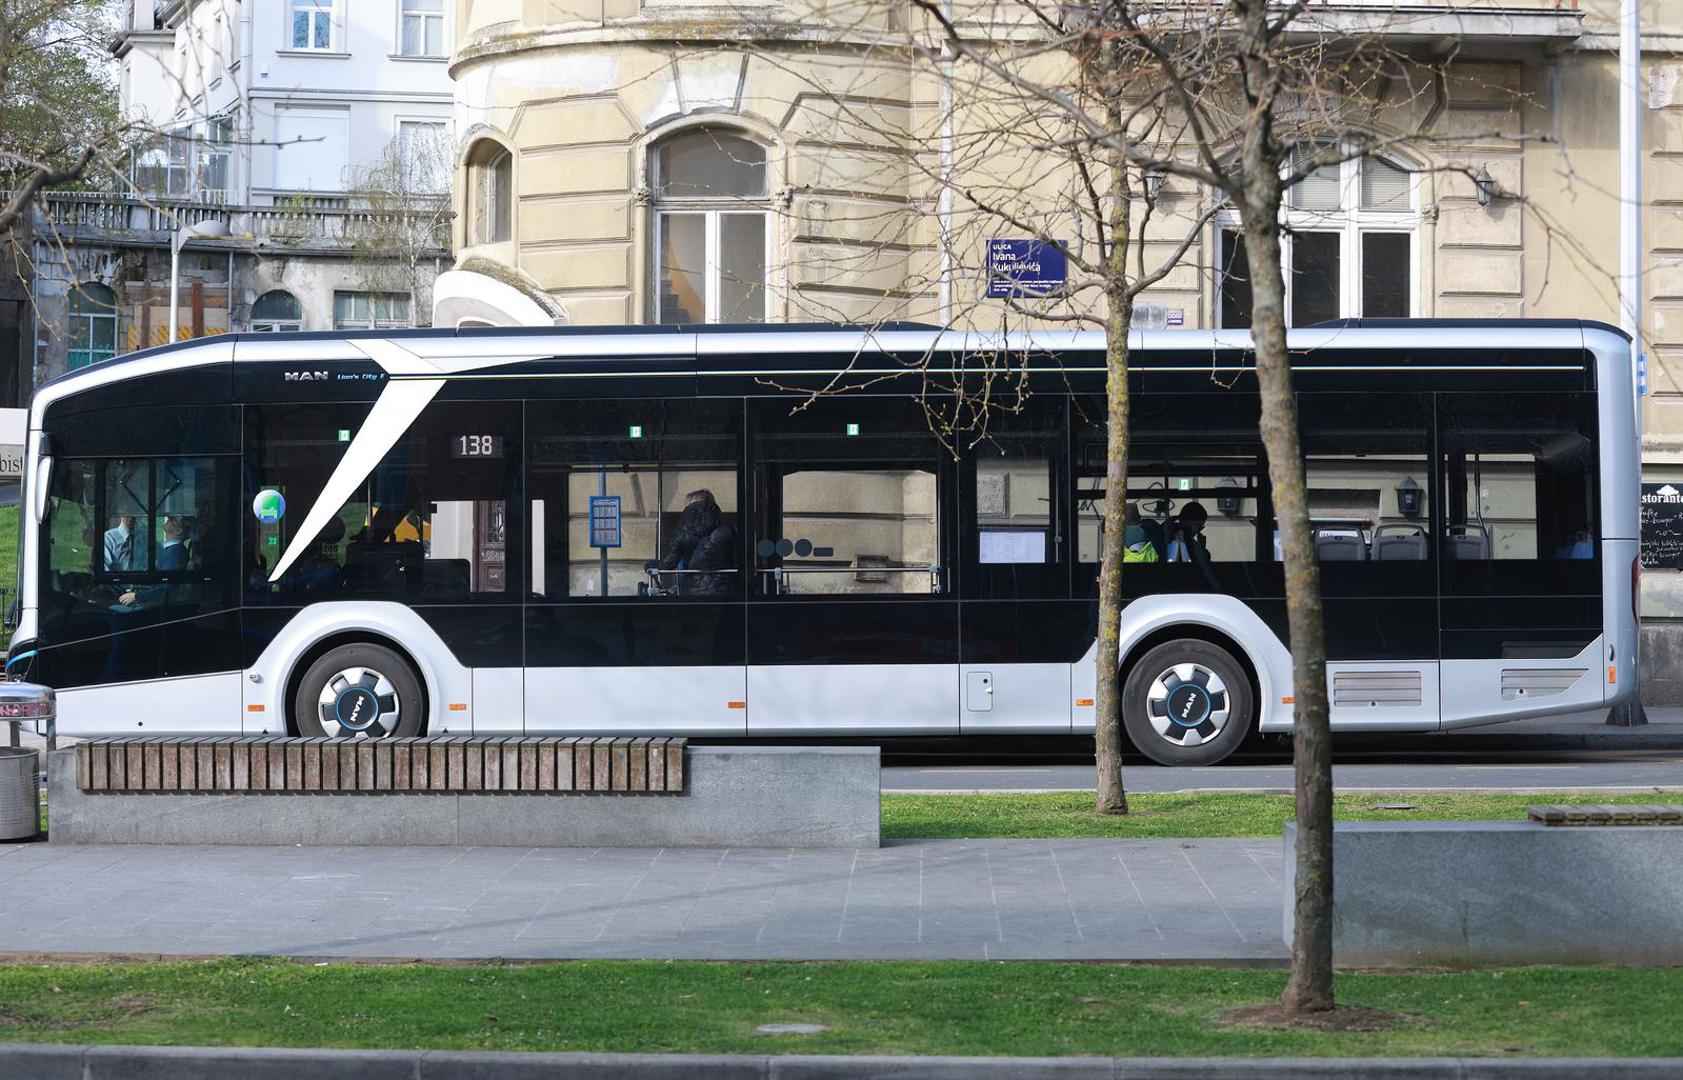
(457,764)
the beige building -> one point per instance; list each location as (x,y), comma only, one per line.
(623,162)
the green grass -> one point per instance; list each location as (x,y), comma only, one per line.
(910,1008)
(1070,814)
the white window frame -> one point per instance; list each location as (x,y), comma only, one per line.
(713,210)
(444,164)
(1349,222)
(404,14)
(372,323)
(278,326)
(332,15)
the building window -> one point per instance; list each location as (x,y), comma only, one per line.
(370,311)
(711,228)
(312,24)
(191,161)
(491,177)
(423,28)
(423,152)
(276,312)
(1348,247)
(93,324)
(312,148)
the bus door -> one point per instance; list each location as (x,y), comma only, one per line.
(634,622)
(852,615)
(1020,631)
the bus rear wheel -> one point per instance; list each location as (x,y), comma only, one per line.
(1187,702)
(359,691)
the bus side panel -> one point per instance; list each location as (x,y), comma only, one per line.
(1506,688)
(698,700)
(196,703)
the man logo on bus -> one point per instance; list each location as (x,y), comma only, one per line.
(269,506)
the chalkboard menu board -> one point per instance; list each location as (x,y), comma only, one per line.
(1662,527)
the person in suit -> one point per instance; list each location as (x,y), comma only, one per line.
(173,554)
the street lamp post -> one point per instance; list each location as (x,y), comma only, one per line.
(203,230)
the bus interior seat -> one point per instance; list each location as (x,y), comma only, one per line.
(1399,542)
(1341,546)
(382,567)
(446,576)
(1467,543)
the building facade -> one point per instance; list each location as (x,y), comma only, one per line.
(315,131)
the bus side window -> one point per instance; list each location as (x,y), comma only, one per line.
(1519,476)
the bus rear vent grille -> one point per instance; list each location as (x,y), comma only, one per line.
(1520,684)
(1376,689)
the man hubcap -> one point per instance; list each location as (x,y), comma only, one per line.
(1188,704)
(359,703)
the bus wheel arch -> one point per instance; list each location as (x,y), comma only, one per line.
(350,639)
(1207,655)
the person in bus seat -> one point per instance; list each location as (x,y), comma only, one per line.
(1186,537)
(173,554)
(125,547)
(1137,545)
(705,542)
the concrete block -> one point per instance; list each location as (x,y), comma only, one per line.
(490,1066)
(755,796)
(248,1063)
(42,1061)
(1662,660)
(1501,892)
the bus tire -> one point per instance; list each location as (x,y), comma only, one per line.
(1187,702)
(360,690)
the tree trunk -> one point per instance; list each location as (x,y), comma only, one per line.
(1310,986)
(1119,316)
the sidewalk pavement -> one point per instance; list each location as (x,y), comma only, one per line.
(1570,731)
(1210,900)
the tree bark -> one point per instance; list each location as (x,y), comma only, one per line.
(1108,738)
(1261,158)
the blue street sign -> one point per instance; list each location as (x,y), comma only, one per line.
(1641,374)
(1025,268)
(604,521)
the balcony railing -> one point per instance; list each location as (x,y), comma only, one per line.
(323,224)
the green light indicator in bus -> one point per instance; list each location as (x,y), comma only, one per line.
(344,434)
(636,431)
(1183,485)
(853,429)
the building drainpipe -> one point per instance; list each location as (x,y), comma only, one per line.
(944,206)
(1630,261)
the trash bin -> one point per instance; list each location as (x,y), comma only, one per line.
(20,793)
(20,766)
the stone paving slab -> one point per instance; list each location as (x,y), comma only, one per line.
(932,899)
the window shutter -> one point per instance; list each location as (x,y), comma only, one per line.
(1318,190)
(1384,186)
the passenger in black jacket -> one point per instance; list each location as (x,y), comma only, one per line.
(705,542)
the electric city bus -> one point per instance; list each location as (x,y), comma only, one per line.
(806,530)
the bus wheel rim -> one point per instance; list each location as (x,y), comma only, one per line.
(1188,704)
(359,702)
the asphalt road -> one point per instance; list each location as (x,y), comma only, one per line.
(1609,772)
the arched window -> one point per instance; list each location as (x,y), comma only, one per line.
(93,324)
(490,193)
(276,312)
(1348,248)
(711,227)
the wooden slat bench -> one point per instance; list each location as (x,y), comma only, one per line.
(458,764)
(1610,814)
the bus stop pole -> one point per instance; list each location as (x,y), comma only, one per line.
(1630,265)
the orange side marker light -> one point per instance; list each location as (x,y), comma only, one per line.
(458,706)
(736,704)
(1289,699)
(256,708)
(1083,703)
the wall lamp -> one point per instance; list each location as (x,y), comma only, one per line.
(1486,184)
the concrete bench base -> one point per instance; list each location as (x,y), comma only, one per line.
(1466,893)
(770,796)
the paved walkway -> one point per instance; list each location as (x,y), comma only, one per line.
(985,899)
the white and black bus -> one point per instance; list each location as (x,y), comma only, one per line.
(659,530)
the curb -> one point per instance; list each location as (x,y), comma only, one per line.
(48,1062)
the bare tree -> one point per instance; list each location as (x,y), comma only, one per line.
(401,224)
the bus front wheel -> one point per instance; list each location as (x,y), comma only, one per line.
(360,690)
(1187,702)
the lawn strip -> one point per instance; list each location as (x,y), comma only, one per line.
(1069,814)
(1035,1009)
